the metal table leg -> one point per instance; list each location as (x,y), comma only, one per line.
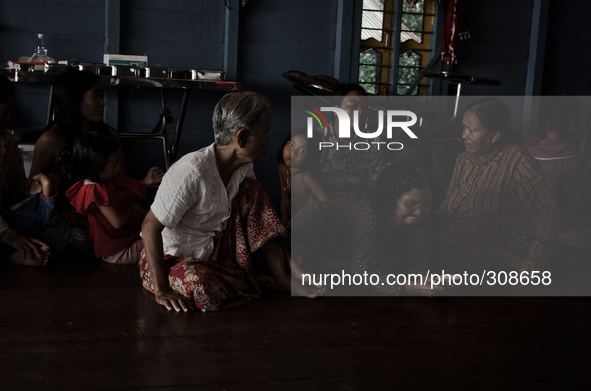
(179,125)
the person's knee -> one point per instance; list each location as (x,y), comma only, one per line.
(449,240)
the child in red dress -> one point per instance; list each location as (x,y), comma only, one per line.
(109,198)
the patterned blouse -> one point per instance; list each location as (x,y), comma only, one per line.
(347,230)
(349,172)
(507,191)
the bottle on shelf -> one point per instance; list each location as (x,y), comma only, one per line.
(40,54)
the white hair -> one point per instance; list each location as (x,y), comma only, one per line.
(238,110)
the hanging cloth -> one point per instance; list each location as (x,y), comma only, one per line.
(454,27)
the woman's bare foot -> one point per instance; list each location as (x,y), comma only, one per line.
(310,292)
(265,281)
(297,273)
(18,258)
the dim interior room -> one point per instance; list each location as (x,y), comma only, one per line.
(87,325)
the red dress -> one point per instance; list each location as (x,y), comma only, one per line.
(107,239)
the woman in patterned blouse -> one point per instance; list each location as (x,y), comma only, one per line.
(499,210)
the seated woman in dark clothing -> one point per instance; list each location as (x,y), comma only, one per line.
(348,173)
(78,108)
(17,245)
(387,232)
(499,210)
(563,166)
(26,206)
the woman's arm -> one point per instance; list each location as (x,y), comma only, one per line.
(47,150)
(316,187)
(115,135)
(7,234)
(48,189)
(26,245)
(154,250)
(577,188)
(443,211)
(13,172)
(285,206)
(531,195)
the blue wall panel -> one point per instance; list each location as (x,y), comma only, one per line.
(567,49)
(273,37)
(72,29)
(276,37)
(498,47)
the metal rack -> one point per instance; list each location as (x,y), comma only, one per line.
(160,131)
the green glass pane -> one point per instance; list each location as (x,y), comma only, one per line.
(419,7)
(368,58)
(413,22)
(408,75)
(368,74)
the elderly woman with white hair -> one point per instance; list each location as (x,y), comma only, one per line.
(211,219)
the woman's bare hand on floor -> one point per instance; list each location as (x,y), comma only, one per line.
(532,265)
(29,251)
(171,299)
(428,289)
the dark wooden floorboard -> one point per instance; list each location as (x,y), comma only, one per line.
(91,326)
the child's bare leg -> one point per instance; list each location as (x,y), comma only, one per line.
(298,286)
(278,265)
(273,254)
(295,265)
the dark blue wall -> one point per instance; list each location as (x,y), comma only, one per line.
(498,47)
(568,54)
(272,37)
(278,36)
(72,28)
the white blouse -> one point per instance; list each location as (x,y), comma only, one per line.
(193,203)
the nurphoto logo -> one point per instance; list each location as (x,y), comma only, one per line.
(392,122)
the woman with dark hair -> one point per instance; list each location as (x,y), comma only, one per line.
(562,162)
(386,232)
(499,211)
(349,172)
(347,89)
(78,107)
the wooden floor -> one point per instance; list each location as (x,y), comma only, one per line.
(91,326)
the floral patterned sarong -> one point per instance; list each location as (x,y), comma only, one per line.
(228,278)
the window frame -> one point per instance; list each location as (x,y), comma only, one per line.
(391,49)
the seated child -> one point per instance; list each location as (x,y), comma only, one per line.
(298,181)
(30,216)
(108,198)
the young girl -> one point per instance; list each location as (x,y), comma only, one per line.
(108,197)
(297,159)
(298,182)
